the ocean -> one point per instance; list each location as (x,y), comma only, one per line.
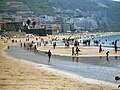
(104,40)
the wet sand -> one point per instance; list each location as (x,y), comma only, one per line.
(84,51)
(17,74)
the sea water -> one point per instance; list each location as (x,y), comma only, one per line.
(89,67)
(104,40)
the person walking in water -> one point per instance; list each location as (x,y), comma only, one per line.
(24,45)
(77,50)
(21,44)
(107,55)
(73,51)
(8,47)
(49,55)
(54,45)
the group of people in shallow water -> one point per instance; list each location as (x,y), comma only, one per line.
(75,51)
(107,53)
(35,47)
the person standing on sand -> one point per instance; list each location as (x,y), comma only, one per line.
(100,48)
(115,46)
(49,54)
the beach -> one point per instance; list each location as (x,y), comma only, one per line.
(18,74)
(85,50)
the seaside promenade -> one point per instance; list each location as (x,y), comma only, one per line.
(20,75)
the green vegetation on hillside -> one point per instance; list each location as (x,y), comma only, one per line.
(39,6)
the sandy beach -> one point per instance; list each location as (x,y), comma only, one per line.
(17,74)
(84,51)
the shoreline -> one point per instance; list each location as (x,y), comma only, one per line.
(60,72)
(71,83)
(49,69)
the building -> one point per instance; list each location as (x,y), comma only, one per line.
(15,34)
(40,31)
(65,27)
(56,28)
(14,26)
(2,26)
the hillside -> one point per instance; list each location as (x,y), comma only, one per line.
(113,13)
(83,5)
(41,7)
(111,8)
(13,6)
(38,6)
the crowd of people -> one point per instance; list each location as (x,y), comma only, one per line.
(67,42)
